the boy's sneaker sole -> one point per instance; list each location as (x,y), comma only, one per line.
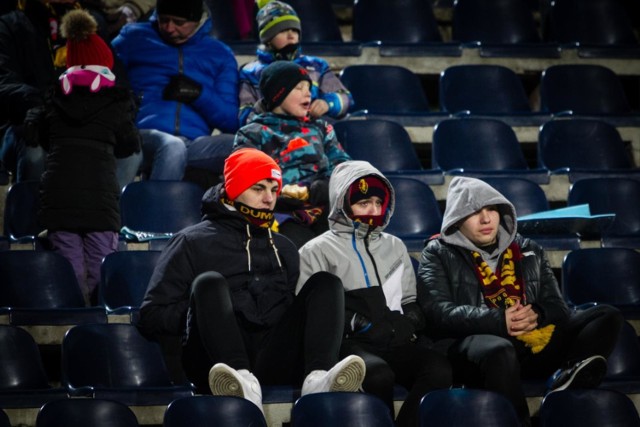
(350,374)
(224,382)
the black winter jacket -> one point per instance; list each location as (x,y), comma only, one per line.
(261,289)
(449,292)
(84,132)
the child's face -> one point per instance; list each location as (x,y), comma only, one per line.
(297,102)
(284,38)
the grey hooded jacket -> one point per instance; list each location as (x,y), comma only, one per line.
(374,266)
(449,292)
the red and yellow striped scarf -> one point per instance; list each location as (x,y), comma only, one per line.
(507,288)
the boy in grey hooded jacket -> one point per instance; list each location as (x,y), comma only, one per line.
(382,317)
(493,304)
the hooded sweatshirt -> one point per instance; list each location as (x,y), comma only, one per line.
(467,196)
(374,266)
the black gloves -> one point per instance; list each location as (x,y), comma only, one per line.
(182,89)
(33,123)
(319,192)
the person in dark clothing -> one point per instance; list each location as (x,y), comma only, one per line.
(382,316)
(493,304)
(86,124)
(32,57)
(226,286)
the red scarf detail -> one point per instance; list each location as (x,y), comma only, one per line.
(506,287)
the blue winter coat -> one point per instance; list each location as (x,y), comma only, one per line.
(150,62)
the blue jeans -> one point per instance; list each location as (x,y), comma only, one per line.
(166,156)
(24,162)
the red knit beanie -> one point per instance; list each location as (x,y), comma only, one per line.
(84,46)
(245,167)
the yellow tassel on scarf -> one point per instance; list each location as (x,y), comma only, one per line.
(538,339)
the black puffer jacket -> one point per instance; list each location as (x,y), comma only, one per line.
(262,280)
(84,132)
(449,291)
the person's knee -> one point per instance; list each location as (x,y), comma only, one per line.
(500,357)
(379,377)
(207,284)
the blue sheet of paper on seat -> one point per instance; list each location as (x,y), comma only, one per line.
(573,219)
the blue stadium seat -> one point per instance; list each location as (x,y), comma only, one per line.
(597,28)
(125,276)
(499,28)
(159,208)
(20,214)
(386,89)
(4,419)
(582,89)
(588,408)
(387,146)
(23,380)
(114,361)
(481,147)
(603,276)
(86,412)
(340,409)
(617,195)
(482,89)
(466,407)
(205,411)
(623,364)
(584,147)
(40,288)
(417,216)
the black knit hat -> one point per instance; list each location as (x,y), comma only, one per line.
(191,10)
(278,79)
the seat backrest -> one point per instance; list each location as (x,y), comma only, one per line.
(417,212)
(599,22)
(318,21)
(588,408)
(399,21)
(125,276)
(222,15)
(476,144)
(111,355)
(624,361)
(21,365)
(205,411)
(617,195)
(340,409)
(525,195)
(383,143)
(466,407)
(583,89)
(603,275)
(482,89)
(578,143)
(385,89)
(86,412)
(38,279)
(21,206)
(4,419)
(493,21)
(160,206)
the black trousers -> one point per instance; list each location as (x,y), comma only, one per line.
(416,368)
(495,363)
(306,338)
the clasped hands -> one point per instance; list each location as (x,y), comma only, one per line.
(520,319)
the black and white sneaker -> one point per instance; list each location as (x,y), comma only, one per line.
(587,373)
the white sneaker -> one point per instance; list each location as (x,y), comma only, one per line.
(226,381)
(346,375)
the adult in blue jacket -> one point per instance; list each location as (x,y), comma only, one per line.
(187,82)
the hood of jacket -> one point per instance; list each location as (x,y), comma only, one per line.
(81,105)
(467,196)
(341,179)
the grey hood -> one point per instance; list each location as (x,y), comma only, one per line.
(467,196)
(343,175)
